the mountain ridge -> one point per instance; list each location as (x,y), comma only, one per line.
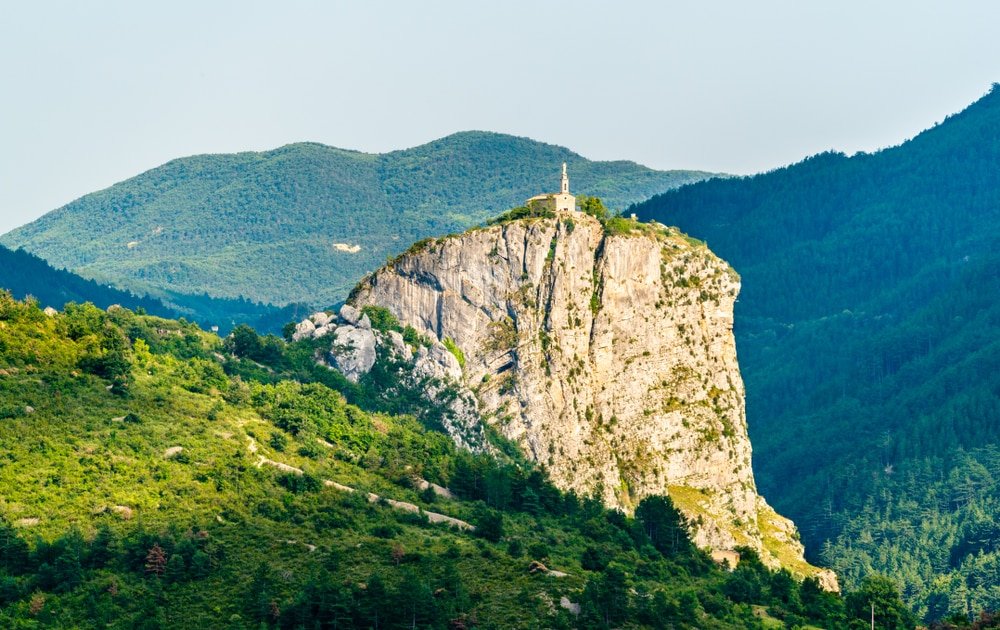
(303,222)
(201,497)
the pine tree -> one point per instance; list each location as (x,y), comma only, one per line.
(530,502)
(156,560)
(176,569)
(665,526)
(201,564)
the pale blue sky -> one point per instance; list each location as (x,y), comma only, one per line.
(95,92)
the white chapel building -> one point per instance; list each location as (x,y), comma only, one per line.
(561,200)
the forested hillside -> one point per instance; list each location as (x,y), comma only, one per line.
(155,476)
(25,274)
(867,332)
(304,222)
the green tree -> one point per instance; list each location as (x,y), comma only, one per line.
(201,564)
(375,602)
(594,207)
(605,600)
(881,593)
(243,341)
(489,524)
(530,502)
(13,551)
(414,600)
(664,525)
(176,569)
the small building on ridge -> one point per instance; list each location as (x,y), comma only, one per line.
(561,200)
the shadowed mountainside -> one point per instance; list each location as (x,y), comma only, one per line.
(867,335)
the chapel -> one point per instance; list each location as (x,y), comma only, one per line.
(561,200)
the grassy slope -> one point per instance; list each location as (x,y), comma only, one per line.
(263,225)
(78,454)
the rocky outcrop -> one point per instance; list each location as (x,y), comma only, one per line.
(606,352)
(427,367)
(353,349)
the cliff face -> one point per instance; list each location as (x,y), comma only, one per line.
(609,358)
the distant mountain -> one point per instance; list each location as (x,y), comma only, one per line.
(305,222)
(25,274)
(867,329)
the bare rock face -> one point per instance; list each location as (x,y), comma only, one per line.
(350,314)
(303,330)
(353,351)
(320,318)
(427,367)
(609,357)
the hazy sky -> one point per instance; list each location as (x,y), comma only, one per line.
(94,92)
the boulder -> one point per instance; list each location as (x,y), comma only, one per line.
(572,607)
(828,581)
(437,362)
(173,451)
(350,314)
(303,330)
(398,346)
(353,351)
(320,318)
(365,323)
(123,511)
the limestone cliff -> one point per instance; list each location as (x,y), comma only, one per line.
(606,351)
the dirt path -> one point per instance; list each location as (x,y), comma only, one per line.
(433,517)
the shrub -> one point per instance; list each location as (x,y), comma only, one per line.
(523,212)
(455,350)
(278,441)
(381,319)
(11,411)
(311,449)
(300,483)
(489,525)
(618,225)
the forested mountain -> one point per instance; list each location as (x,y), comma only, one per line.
(304,222)
(155,476)
(25,274)
(867,332)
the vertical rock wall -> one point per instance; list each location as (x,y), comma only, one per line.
(607,353)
